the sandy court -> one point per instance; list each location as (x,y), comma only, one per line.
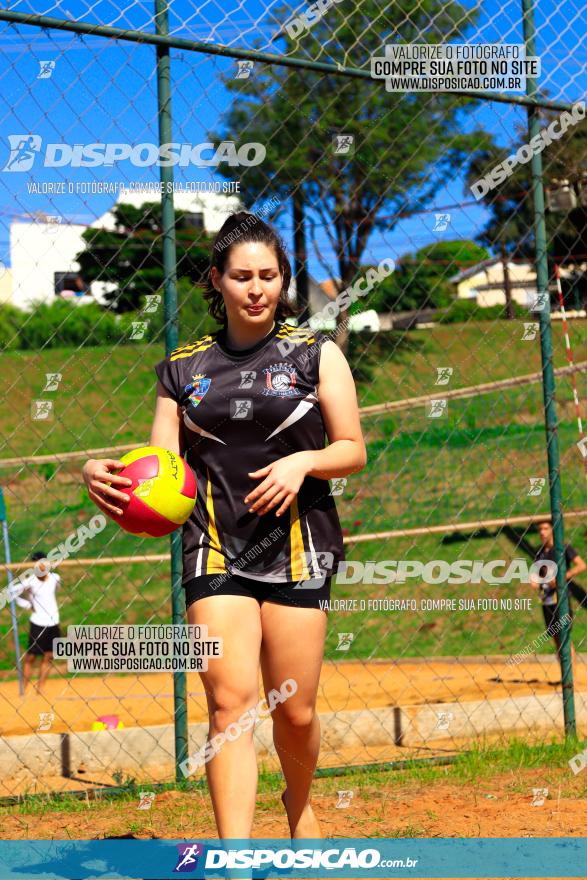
(494,806)
(348,685)
(498,805)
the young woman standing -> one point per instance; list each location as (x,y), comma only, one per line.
(249,407)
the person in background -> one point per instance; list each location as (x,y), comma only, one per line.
(44,620)
(547,591)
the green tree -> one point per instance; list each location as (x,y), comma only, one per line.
(130,256)
(510,228)
(421,280)
(398,138)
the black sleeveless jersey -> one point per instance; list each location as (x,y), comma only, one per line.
(241,410)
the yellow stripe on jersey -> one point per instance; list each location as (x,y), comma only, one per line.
(193,347)
(295,334)
(215,562)
(299,569)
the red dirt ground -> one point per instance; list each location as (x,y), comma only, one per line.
(145,700)
(498,805)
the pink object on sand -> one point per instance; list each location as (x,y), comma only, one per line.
(111,721)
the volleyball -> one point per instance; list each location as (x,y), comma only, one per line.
(162,495)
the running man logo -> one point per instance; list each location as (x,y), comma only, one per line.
(444,719)
(23,151)
(539,795)
(536,485)
(338,485)
(152,302)
(46,719)
(538,301)
(443,375)
(442,222)
(139,328)
(318,564)
(345,641)
(247,378)
(436,409)
(41,410)
(146,799)
(188,857)
(245,69)
(344,144)
(52,381)
(241,409)
(47,68)
(344,799)
(51,224)
(530,331)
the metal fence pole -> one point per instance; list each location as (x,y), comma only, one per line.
(13,618)
(171,340)
(145,38)
(549,387)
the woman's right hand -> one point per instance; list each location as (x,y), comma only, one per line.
(97,473)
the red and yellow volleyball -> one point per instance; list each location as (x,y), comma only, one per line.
(162,495)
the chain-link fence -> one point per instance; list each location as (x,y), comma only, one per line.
(436,638)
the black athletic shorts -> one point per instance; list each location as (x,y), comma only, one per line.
(41,638)
(313,592)
(550,615)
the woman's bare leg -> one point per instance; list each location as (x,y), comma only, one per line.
(232,687)
(293,648)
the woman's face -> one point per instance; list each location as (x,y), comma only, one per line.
(251,283)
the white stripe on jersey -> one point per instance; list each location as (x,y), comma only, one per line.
(301,409)
(316,572)
(194,427)
(199,557)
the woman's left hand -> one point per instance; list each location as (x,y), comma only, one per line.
(282,482)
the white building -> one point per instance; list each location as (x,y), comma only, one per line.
(484,282)
(43,251)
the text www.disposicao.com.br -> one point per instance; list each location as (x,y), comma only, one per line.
(134,664)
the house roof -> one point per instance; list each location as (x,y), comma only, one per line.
(473,270)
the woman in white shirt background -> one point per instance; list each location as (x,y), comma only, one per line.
(44,620)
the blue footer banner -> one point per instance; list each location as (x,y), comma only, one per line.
(261,858)
(272,858)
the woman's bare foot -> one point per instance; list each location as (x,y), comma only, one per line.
(307,825)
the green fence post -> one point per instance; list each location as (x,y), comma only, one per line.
(548,386)
(171,341)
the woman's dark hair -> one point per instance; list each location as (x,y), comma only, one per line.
(240,228)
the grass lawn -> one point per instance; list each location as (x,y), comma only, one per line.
(476,462)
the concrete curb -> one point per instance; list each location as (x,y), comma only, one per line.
(135,749)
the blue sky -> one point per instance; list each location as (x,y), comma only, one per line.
(102,90)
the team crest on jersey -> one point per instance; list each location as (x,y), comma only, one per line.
(197,388)
(280,380)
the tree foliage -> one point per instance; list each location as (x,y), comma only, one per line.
(421,280)
(398,138)
(130,256)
